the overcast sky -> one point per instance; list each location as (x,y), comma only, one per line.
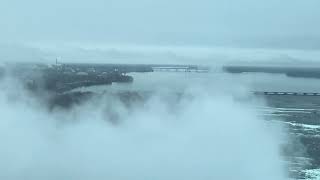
(240,23)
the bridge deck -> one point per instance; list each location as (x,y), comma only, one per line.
(272,93)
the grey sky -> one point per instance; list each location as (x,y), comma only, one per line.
(249,23)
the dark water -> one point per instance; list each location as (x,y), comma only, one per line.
(301,116)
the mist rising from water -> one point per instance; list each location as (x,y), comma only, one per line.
(207,134)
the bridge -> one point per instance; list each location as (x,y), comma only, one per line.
(180,68)
(273,93)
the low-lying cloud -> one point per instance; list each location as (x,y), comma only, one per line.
(206,134)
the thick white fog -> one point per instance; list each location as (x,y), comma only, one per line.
(214,131)
(208,134)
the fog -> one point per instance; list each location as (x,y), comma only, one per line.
(208,134)
(213,56)
(213,131)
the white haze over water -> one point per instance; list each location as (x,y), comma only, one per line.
(213,56)
(209,136)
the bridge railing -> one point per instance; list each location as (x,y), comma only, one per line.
(273,93)
(180,69)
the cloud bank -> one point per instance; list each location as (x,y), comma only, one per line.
(206,134)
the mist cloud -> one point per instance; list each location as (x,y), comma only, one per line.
(205,135)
